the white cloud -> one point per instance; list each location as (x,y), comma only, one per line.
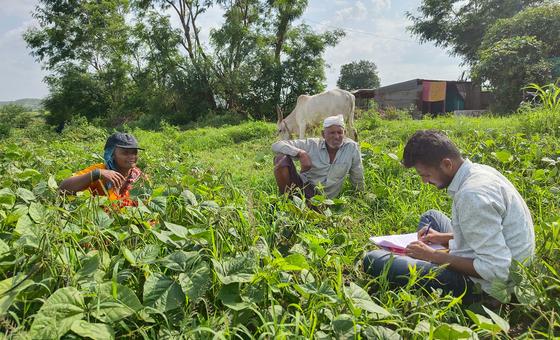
(376,31)
(381,4)
(357,12)
(385,41)
(19,8)
(21,75)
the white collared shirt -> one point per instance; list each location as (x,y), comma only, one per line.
(348,160)
(491,222)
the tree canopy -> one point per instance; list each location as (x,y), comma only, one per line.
(358,75)
(518,51)
(124,60)
(506,43)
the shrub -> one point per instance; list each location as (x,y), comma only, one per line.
(5,130)
(369,120)
(548,95)
(250,131)
(392,113)
(542,121)
(544,115)
(78,129)
(12,109)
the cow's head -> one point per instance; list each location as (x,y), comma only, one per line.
(282,130)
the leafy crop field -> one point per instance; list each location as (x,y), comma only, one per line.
(213,251)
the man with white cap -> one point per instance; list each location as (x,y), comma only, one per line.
(325,162)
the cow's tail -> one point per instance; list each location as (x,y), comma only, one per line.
(351,118)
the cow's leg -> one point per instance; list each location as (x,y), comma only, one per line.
(351,128)
(354,134)
(302,131)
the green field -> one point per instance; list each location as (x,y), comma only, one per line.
(227,257)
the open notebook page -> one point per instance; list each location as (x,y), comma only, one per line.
(399,241)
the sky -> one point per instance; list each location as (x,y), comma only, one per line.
(375,31)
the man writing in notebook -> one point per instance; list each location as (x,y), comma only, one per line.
(490,227)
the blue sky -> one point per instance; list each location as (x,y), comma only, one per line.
(375,30)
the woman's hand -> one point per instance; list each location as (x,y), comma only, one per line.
(113,177)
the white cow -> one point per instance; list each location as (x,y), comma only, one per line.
(312,110)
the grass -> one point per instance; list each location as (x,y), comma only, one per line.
(213,251)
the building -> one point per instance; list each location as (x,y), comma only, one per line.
(427,96)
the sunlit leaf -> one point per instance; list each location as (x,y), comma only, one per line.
(57,314)
(196,281)
(238,269)
(25,195)
(7,198)
(114,302)
(95,331)
(162,293)
(37,212)
(9,289)
(361,299)
(504,325)
(503,156)
(452,332)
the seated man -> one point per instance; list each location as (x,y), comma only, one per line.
(115,176)
(489,229)
(325,161)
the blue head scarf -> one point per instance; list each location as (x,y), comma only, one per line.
(108,157)
(109,162)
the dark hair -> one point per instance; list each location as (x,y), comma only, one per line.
(428,147)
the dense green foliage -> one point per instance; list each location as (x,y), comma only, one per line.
(28,103)
(358,75)
(214,251)
(123,61)
(520,50)
(507,44)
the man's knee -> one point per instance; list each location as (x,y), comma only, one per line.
(431,216)
(374,261)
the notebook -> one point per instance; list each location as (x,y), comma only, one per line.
(398,243)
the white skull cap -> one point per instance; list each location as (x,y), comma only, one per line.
(333,120)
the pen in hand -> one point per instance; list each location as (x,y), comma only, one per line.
(427,229)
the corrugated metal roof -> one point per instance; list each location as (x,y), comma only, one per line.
(402,86)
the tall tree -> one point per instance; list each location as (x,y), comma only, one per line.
(76,39)
(188,13)
(358,75)
(286,11)
(520,50)
(125,58)
(460,25)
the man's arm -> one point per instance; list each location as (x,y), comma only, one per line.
(479,220)
(291,147)
(421,251)
(357,171)
(295,148)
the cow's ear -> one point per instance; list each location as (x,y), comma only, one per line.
(279,113)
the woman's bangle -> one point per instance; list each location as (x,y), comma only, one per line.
(94,175)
